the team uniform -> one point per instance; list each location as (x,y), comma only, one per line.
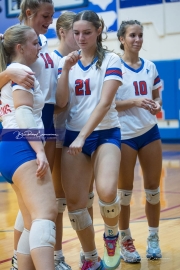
(44,68)
(60,118)
(85,86)
(14,147)
(138,126)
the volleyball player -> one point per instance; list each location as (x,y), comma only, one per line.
(88,81)
(138,102)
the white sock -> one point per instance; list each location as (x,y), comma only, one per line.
(153,230)
(111,230)
(91,255)
(15,253)
(124,233)
(58,254)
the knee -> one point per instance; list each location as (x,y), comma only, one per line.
(153,196)
(125,196)
(42,234)
(110,210)
(80,219)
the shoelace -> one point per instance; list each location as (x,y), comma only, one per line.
(128,244)
(110,245)
(153,241)
(87,265)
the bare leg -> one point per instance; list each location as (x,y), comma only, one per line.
(34,193)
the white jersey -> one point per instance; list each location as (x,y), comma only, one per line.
(8,110)
(137,83)
(59,119)
(44,68)
(85,86)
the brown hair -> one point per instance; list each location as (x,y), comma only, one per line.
(122,29)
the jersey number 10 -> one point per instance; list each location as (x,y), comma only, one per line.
(140,88)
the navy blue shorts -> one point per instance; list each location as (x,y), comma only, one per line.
(12,155)
(94,140)
(144,139)
(47,118)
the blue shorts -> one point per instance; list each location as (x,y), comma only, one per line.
(47,118)
(94,140)
(12,155)
(144,139)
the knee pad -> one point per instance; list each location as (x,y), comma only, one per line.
(19,223)
(42,234)
(23,244)
(153,196)
(61,204)
(124,196)
(80,219)
(90,199)
(110,210)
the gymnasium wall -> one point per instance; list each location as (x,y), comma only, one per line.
(161,22)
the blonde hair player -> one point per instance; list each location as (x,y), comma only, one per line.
(138,102)
(23,162)
(37,14)
(88,81)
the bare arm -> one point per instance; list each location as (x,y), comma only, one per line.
(153,105)
(20,98)
(62,92)
(21,77)
(122,105)
(108,92)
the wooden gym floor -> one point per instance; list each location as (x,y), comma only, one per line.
(169,223)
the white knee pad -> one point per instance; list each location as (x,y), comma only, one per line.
(42,234)
(110,210)
(61,204)
(19,223)
(90,199)
(80,219)
(124,196)
(23,244)
(153,196)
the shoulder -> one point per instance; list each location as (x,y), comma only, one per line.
(19,66)
(43,40)
(148,63)
(112,55)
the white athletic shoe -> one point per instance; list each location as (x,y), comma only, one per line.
(128,251)
(153,250)
(61,265)
(14,263)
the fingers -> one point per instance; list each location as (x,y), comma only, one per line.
(74,150)
(42,168)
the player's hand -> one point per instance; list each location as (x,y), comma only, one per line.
(21,77)
(71,59)
(42,164)
(144,103)
(155,108)
(76,146)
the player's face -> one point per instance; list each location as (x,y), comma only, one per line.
(31,48)
(133,38)
(70,41)
(85,34)
(42,18)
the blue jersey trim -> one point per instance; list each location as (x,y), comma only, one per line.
(58,53)
(132,69)
(87,67)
